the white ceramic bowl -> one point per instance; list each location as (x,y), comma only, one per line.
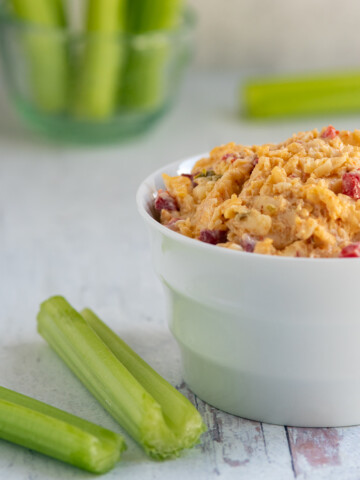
(273,339)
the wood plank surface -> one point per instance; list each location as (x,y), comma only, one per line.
(236,446)
(325,453)
(314,447)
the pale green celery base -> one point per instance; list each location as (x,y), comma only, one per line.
(149,58)
(53,432)
(45,51)
(99,71)
(145,75)
(105,17)
(99,77)
(48,67)
(182,417)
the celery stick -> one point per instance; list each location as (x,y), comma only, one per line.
(135,405)
(146,15)
(53,432)
(100,68)
(178,411)
(46,52)
(144,84)
(302,95)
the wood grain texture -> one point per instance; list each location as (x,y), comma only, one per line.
(324,452)
(314,447)
(236,446)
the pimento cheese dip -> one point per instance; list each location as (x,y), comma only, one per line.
(298,198)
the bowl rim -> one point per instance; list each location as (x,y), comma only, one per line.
(142,196)
(188,22)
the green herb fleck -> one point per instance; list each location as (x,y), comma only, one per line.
(206,173)
(271,209)
(243,215)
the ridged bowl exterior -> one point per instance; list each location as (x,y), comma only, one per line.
(272,339)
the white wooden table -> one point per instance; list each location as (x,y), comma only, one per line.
(68,225)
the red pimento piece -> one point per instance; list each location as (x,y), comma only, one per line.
(187,175)
(191,177)
(165,201)
(330,132)
(172,223)
(256,160)
(213,236)
(248,243)
(351,251)
(232,156)
(351,184)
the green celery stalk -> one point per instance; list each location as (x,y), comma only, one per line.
(46,52)
(147,15)
(157,416)
(302,95)
(178,411)
(100,68)
(144,84)
(48,430)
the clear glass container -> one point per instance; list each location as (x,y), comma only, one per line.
(90,87)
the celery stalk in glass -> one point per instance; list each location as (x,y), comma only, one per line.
(46,52)
(302,95)
(48,430)
(157,416)
(145,72)
(99,70)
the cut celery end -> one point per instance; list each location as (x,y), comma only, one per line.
(48,430)
(46,52)
(99,71)
(147,420)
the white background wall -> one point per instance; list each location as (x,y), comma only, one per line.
(278,34)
